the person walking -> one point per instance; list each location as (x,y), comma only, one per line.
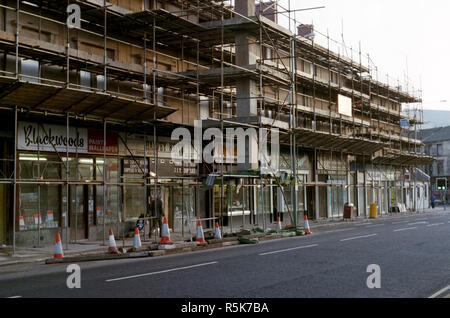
(156,209)
(433,199)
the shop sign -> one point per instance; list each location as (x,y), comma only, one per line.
(138,145)
(32,136)
(166,167)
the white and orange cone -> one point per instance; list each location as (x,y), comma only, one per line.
(306,226)
(278,224)
(137,238)
(112,244)
(58,247)
(217,234)
(200,237)
(165,234)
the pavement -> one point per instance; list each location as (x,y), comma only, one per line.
(95,250)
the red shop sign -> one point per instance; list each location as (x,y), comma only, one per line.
(95,142)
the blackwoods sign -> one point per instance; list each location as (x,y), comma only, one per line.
(33,136)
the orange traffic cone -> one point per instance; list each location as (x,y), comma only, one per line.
(278,224)
(200,237)
(137,238)
(218,235)
(112,244)
(58,247)
(307,229)
(165,235)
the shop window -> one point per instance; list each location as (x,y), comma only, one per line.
(37,199)
(111,194)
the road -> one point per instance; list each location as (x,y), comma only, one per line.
(413,255)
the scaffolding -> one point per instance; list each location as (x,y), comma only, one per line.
(159,65)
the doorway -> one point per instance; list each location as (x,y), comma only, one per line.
(83,205)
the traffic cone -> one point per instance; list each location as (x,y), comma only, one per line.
(218,235)
(278,224)
(307,229)
(137,239)
(165,235)
(58,247)
(200,237)
(112,244)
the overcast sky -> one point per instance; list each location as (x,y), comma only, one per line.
(401,37)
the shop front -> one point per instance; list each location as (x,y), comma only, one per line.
(61,182)
(176,184)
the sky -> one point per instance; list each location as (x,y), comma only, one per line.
(405,39)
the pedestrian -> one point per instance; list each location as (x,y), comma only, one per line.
(433,199)
(156,208)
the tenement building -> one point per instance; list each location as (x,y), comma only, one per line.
(91,92)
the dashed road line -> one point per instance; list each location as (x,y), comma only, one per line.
(289,249)
(369,226)
(340,230)
(440,292)
(160,272)
(362,224)
(423,222)
(15,297)
(400,222)
(434,224)
(406,229)
(357,237)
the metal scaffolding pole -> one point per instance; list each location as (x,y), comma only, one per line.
(39,194)
(67,181)
(15,182)
(104,181)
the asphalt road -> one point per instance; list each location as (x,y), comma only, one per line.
(413,255)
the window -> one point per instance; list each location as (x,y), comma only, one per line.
(439,150)
(30,68)
(100,82)
(439,167)
(85,79)
(35,199)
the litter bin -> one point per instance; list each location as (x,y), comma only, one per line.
(373,211)
(348,210)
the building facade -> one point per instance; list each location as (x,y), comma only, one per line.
(437,144)
(91,92)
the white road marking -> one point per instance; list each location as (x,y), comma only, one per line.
(443,290)
(15,297)
(423,222)
(161,272)
(357,237)
(374,225)
(400,222)
(405,229)
(288,249)
(360,224)
(434,224)
(341,230)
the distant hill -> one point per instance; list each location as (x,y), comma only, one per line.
(435,118)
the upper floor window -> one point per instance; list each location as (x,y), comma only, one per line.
(31,69)
(439,150)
